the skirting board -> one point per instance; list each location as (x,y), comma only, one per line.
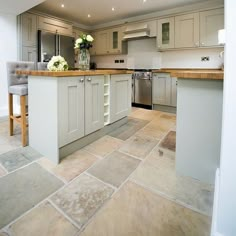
(164,108)
(80,143)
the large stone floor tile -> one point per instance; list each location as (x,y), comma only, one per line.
(139,145)
(145,114)
(24,188)
(158,127)
(82,198)
(19,157)
(114,169)
(71,166)
(44,220)
(104,146)
(134,211)
(158,173)
(130,128)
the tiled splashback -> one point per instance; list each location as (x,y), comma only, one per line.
(143,54)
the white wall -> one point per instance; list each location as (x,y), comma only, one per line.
(227,190)
(191,58)
(143,54)
(8,52)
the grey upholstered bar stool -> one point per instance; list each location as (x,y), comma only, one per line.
(42,65)
(18,85)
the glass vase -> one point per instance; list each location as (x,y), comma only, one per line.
(84,59)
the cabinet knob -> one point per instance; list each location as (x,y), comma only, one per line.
(202,44)
(81,80)
(196,44)
(89,79)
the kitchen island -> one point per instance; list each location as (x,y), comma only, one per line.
(68,110)
(199,122)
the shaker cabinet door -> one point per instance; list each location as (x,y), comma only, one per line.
(210,22)
(120,95)
(71,109)
(187,31)
(165,33)
(94,103)
(161,89)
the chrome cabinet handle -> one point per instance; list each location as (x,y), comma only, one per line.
(81,80)
(89,79)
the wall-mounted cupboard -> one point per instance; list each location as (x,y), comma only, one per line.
(191,30)
(108,41)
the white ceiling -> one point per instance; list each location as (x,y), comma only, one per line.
(100,10)
(17,7)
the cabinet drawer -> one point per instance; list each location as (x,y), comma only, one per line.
(54,26)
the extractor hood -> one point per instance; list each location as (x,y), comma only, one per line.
(136,31)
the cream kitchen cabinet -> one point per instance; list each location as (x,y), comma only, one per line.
(71,109)
(109,42)
(164,90)
(187,31)
(54,26)
(94,103)
(102,42)
(81,109)
(28,30)
(166,33)
(29,54)
(210,22)
(120,96)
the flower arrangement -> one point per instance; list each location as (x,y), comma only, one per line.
(57,63)
(84,42)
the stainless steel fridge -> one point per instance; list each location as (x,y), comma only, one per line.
(50,44)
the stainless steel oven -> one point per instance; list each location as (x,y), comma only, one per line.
(142,88)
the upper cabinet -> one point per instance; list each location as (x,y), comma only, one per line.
(210,22)
(165,33)
(54,26)
(187,31)
(108,41)
(29,29)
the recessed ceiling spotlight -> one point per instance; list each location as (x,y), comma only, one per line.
(62,5)
(113,9)
(144,0)
(89,15)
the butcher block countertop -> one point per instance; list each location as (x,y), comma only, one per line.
(72,73)
(208,74)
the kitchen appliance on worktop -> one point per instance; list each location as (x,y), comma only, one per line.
(142,88)
(50,44)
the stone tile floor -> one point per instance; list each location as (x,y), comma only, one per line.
(123,184)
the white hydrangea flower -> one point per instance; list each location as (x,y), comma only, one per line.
(57,63)
(89,38)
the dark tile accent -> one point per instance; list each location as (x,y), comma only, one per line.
(169,142)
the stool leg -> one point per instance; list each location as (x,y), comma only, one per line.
(23,120)
(10,108)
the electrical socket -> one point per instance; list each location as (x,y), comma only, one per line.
(117,61)
(205,58)
(122,61)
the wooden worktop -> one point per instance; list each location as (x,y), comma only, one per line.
(208,74)
(72,72)
(212,74)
